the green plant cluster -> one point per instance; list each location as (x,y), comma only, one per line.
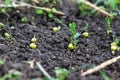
(74,37)
(108,5)
(61,74)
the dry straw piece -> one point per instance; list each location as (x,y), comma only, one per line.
(101,66)
(23,4)
(95,7)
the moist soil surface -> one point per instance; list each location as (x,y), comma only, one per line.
(52,48)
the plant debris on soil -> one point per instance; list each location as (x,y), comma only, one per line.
(52,47)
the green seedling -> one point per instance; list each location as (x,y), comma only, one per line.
(12,75)
(51,3)
(104,75)
(75,35)
(108,22)
(1,25)
(61,74)
(55,29)
(33,45)
(39,11)
(50,13)
(8,36)
(24,19)
(1,62)
(114,45)
(34,39)
(86,33)
(3,9)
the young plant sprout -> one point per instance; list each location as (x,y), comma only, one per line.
(24,19)
(86,34)
(39,11)
(34,39)
(1,24)
(50,13)
(1,62)
(75,35)
(55,29)
(109,29)
(7,35)
(33,42)
(33,45)
(114,45)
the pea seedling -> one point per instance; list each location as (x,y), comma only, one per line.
(34,39)
(1,25)
(8,36)
(33,42)
(24,19)
(86,34)
(75,35)
(50,13)
(61,74)
(109,29)
(1,62)
(114,45)
(12,75)
(39,11)
(55,29)
(33,45)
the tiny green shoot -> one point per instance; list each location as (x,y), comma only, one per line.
(114,45)
(24,19)
(104,75)
(55,29)
(1,25)
(50,13)
(33,45)
(34,39)
(75,35)
(8,36)
(39,11)
(108,22)
(86,33)
(61,74)
(1,62)
(12,75)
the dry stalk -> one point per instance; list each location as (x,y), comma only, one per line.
(23,4)
(43,70)
(95,7)
(101,66)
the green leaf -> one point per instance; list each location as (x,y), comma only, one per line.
(110,3)
(1,62)
(7,2)
(61,73)
(72,27)
(86,26)
(76,35)
(39,11)
(105,76)
(116,40)
(50,15)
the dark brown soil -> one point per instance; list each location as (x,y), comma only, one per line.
(52,48)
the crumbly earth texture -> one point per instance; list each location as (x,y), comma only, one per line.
(52,47)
